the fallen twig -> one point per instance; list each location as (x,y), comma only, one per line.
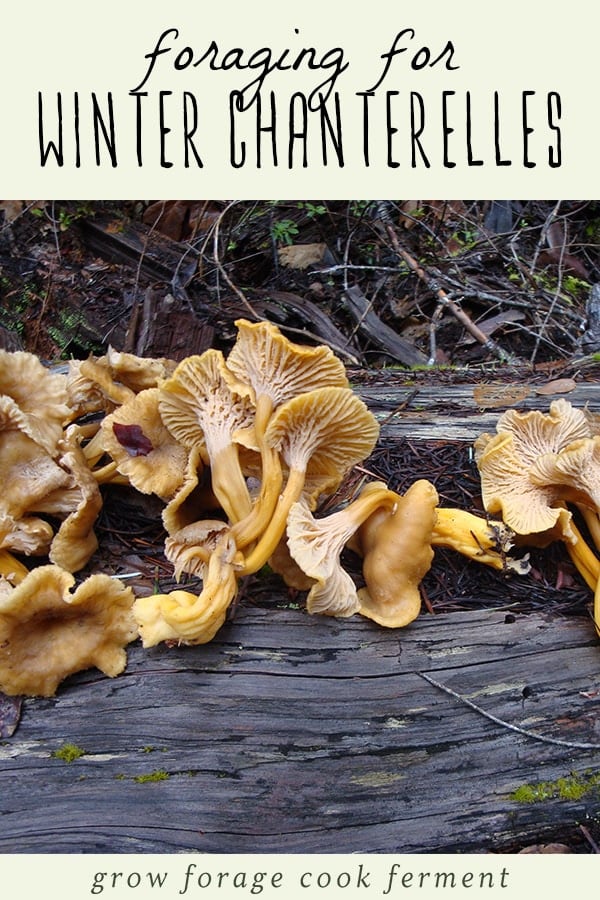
(433,285)
(530,734)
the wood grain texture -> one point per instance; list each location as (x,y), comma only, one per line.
(451,412)
(292,733)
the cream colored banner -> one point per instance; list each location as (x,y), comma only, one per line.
(275,99)
(217,877)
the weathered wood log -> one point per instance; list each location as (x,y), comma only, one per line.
(292,733)
(458,412)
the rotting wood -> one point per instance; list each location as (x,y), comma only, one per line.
(451,412)
(161,326)
(377,331)
(292,733)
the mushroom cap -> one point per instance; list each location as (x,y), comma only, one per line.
(191,502)
(203,404)
(138,373)
(33,398)
(143,448)
(98,375)
(279,369)
(283,564)
(397,555)
(75,540)
(28,535)
(28,474)
(506,464)
(189,549)
(323,433)
(575,471)
(47,633)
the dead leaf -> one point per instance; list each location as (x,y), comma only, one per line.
(301,256)
(12,209)
(559,386)
(491,396)
(547,848)
(493,323)
(132,439)
(10,715)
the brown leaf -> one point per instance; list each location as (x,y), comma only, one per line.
(547,848)
(491,396)
(132,439)
(493,323)
(10,715)
(559,386)
(301,256)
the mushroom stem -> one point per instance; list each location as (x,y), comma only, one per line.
(473,536)
(94,449)
(248,529)
(586,562)
(13,570)
(275,530)
(590,517)
(228,483)
(109,473)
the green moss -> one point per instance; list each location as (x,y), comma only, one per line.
(68,753)
(158,775)
(572,787)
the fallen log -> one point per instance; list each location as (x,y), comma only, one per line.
(291,733)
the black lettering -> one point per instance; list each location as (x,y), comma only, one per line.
(416,130)
(138,127)
(335,136)
(266,129)
(190,130)
(554,113)
(446,130)
(50,147)
(163,130)
(236,103)
(390,130)
(100,126)
(526,131)
(499,160)
(471,161)
(298,99)
(366,95)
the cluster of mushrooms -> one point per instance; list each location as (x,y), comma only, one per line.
(241,450)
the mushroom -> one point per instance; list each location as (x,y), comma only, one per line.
(203,405)
(142,447)
(48,633)
(29,474)
(397,554)
(483,540)
(535,464)
(192,499)
(184,617)
(32,399)
(320,435)
(190,548)
(277,370)
(78,506)
(505,462)
(139,373)
(316,545)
